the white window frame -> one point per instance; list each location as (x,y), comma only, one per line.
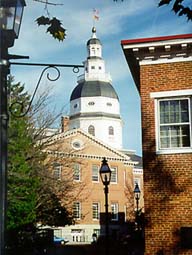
(172,95)
(114,175)
(77,210)
(114,211)
(95,176)
(95,211)
(76,176)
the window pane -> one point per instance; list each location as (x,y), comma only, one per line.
(111,130)
(184,111)
(91,130)
(164,113)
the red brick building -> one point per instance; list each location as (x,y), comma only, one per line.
(162,70)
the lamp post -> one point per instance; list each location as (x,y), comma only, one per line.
(11,12)
(137,193)
(105,174)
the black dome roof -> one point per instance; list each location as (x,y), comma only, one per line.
(93,89)
(93,41)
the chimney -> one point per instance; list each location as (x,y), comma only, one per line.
(64,123)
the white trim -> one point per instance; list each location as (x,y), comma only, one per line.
(164,61)
(174,151)
(157,43)
(171,93)
(156,125)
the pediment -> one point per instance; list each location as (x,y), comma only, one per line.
(78,143)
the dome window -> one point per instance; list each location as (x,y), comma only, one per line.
(75,106)
(109,104)
(91,103)
(93,51)
(100,68)
(91,130)
(92,67)
(111,130)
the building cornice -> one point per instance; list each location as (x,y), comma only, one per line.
(95,115)
(156,50)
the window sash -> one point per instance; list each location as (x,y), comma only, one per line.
(174,123)
(113,174)
(95,211)
(114,211)
(77,210)
(95,173)
(76,172)
(57,171)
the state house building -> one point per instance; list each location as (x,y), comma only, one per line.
(93,130)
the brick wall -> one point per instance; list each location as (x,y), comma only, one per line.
(167,178)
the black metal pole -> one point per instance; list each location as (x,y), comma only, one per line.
(4,70)
(106,190)
(137,211)
(137,203)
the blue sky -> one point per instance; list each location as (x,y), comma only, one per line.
(117,21)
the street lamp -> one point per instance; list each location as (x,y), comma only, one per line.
(11,12)
(137,193)
(105,174)
(10,20)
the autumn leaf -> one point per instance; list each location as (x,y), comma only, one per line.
(56,30)
(43,20)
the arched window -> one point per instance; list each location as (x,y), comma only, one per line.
(91,130)
(111,130)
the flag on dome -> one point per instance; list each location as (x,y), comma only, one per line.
(95,14)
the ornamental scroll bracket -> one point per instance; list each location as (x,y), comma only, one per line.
(47,67)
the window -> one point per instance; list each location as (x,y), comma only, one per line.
(95,173)
(92,67)
(95,211)
(91,103)
(76,172)
(111,130)
(114,211)
(91,130)
(93,50)
(77,210)
(57,171)
(174,123)
(113,174)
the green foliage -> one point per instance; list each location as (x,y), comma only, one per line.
(55,28)
(31,194)
(22,182)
